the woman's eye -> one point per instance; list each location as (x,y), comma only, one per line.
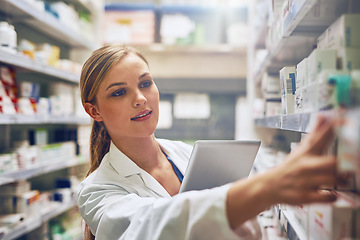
(145,84)
(119,93)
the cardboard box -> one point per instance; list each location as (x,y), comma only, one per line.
(355,87)
(302,74)
(343,33)
(301,82)
(310,95)
(270,86)
(333,89)
(331,221)
(288,87)
(319,60)
(348,150)
(348,59)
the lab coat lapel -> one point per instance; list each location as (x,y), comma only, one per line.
(125,167)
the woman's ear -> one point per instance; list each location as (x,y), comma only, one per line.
(93,112)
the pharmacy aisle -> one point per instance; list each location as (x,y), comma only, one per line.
(44,131)
(306,62)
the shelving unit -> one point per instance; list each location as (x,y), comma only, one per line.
(297,40)
(32,223)
(22,11)
(22,62)
(47,27)
(37,171)
(298,31)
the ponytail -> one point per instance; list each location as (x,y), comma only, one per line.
(99,145)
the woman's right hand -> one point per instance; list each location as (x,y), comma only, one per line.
(302,178)
(307,171)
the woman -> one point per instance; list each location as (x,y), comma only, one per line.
(131,188)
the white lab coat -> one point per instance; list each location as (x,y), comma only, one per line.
(121,201)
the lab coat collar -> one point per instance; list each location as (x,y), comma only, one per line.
(126,168)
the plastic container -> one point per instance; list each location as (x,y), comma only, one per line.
(12,39)
(4,35)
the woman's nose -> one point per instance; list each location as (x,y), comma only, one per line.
(139,99)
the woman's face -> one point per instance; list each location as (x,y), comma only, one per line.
(128,99)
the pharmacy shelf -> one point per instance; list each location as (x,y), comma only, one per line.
(80,5)
(38,119)
(6,178)
(27,226)
(290,225)
(297,31)
(21,61)
(23,11)
(300,122)
(31,224)
(293,122)
(198,49)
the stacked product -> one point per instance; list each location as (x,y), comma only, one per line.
(327,78)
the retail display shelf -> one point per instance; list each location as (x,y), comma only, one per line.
(32,223)
(290,225)
(300,122)
(23,11)
(82,5)
(56,209)
(298,30)
(22,228)
(198,49)
(38,119)
(36,171)
(21,61)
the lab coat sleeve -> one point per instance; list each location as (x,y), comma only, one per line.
(112,213)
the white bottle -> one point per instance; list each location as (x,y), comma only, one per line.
(13,39)
(4,35)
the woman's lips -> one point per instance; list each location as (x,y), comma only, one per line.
(144,115)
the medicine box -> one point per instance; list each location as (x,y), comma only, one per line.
(355,87)
(301,82)
(348,150)
(333,89)
(270,86)
(288,86)
(15,188)
(348,59)
(309,101)
(344,32)
(319,60)
(332,221)
(129,23)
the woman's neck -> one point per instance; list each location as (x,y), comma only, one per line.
(145,152)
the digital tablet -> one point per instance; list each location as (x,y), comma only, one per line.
(217,162)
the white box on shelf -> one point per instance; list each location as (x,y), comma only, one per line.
(348,149)
(330,86)
(331,221)
(309,101)
(272,108)
(298,101)
(288,86)
(348,59)
(270,86)
(318,60)
(302,73)
(355,87)
(344,32)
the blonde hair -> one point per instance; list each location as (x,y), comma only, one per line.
(93,72)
